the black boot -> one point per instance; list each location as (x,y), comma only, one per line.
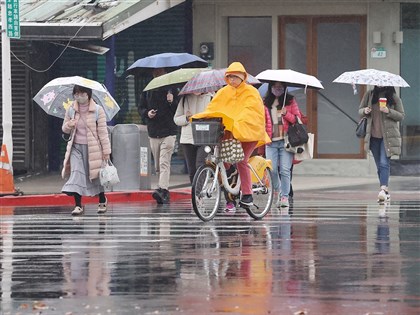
(158,195)
(165,196)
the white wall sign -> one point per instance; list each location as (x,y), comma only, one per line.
(378,52)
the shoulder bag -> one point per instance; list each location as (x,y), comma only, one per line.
(297,134)
(361,128)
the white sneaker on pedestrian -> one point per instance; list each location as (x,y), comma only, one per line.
(384,196)
(77,210)
(284,202)
(276,198)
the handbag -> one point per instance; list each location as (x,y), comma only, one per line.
(108,174)
(297,134)
(231,151)
(361,128)
(307,149)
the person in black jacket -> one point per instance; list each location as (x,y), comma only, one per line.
(157,109)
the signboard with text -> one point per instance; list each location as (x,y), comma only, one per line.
(12,15)
(378,52)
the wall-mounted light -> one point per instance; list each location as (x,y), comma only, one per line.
(207,51)
(397,37)
(377,37)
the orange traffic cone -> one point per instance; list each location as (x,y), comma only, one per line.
(6,174)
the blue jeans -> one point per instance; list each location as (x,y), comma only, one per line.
(382,162)
(279,156)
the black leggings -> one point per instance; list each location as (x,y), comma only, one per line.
(78,198)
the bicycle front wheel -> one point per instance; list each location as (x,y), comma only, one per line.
(205,193)
(262,195)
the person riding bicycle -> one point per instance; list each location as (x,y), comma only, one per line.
(242,111)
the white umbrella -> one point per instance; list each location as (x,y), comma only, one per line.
(290,78)
(57,95)
(371,77)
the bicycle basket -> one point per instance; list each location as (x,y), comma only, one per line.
(207,131)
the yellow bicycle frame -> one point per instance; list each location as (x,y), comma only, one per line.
(259,164)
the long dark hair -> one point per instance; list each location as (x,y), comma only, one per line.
(270,97)
(389,94)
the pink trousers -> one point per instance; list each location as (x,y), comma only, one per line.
(243,169)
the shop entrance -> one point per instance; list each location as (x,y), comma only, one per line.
(326,47)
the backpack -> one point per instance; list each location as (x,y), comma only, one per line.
(72,112)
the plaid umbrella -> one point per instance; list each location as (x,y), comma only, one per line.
(210,81)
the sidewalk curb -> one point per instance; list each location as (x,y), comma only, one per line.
(64,200)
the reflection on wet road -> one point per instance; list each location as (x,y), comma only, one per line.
(318,257)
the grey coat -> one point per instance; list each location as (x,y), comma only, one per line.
(390,124)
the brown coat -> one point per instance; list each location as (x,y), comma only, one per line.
(98,139)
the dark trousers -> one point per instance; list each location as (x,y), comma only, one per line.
(195,157)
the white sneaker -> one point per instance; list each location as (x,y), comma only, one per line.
(276,199)
(384,196)
(284,202)
(77,210)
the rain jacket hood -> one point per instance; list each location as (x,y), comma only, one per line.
(241,109)
(236,67)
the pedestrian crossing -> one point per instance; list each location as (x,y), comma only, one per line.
(148,258)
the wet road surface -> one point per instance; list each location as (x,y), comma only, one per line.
(343,255)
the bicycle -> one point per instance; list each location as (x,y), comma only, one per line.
(211,177)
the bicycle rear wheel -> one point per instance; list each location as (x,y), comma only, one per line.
(205,199)
(262,195)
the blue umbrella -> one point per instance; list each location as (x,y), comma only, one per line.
(166,60)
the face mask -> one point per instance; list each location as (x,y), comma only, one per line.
(81,99)
(277,91)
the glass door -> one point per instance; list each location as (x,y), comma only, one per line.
(326,47)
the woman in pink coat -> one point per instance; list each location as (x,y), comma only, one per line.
(88,147)
(283,110)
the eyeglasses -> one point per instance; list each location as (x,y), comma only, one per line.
(232,76)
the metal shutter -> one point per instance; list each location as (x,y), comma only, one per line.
(21,156)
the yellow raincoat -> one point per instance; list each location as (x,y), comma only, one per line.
(241,109)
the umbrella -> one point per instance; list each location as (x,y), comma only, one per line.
(371,77)
(166,60)
(57,95)
(210,81)
(264,88)
(174,77)
(290,78)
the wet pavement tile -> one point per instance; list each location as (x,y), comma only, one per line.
(326,256)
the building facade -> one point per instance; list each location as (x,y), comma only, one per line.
(325,39)
(322,38)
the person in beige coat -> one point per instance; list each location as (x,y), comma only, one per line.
(87,149)
(189,105)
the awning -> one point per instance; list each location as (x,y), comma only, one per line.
(85,19)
